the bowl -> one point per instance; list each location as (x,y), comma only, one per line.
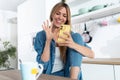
(75,15)
(83,10)
(97,7)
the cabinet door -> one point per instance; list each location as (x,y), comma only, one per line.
(97,72)
(117,72)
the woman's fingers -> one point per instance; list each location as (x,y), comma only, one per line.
(67,40)
(62,44)
(64,38)
(45,25)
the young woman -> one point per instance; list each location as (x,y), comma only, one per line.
(60,58)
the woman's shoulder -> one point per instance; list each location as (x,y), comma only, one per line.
(41,33)
(77,38)
(75,35)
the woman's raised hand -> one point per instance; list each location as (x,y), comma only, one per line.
(48,29)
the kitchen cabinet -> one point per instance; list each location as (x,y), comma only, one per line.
(117,72)
(97,72)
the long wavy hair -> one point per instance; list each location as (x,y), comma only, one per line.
(68,22)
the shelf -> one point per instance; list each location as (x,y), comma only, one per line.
(73,3)
(96,14)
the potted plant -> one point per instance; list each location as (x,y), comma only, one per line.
(7,50)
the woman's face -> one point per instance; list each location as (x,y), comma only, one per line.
(60,17)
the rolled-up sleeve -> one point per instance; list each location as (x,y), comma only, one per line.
(39,47)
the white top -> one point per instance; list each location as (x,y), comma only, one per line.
(58,64)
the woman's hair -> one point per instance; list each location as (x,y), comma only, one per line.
(68,21)
(58,7)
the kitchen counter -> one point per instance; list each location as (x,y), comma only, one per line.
(107,61)
(16,75)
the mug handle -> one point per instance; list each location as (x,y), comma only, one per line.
(40,70)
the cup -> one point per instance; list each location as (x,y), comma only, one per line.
(30,70)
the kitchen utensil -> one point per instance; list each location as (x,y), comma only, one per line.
(86,36)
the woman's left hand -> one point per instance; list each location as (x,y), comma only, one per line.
(68,40)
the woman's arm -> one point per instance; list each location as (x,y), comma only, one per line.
(46,52)
(74,71)
(42,47)
(49,36)
(78,47)
(83,50)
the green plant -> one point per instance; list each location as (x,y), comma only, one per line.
(7,51)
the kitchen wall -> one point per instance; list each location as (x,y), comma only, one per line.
(5,24)
(49,6)
(30,17)
(106,39)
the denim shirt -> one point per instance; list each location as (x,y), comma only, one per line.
(73,58)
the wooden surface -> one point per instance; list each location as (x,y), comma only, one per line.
(15,75)
(108,61)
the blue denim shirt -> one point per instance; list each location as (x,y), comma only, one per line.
(73,57)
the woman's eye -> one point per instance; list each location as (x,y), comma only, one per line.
(57,13)
(65,16)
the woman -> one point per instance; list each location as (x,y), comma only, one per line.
(60,58)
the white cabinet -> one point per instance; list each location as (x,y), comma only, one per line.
(97,72)
(117,72)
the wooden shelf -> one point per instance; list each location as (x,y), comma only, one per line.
(96,14)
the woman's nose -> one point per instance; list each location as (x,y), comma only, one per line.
(61,17)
